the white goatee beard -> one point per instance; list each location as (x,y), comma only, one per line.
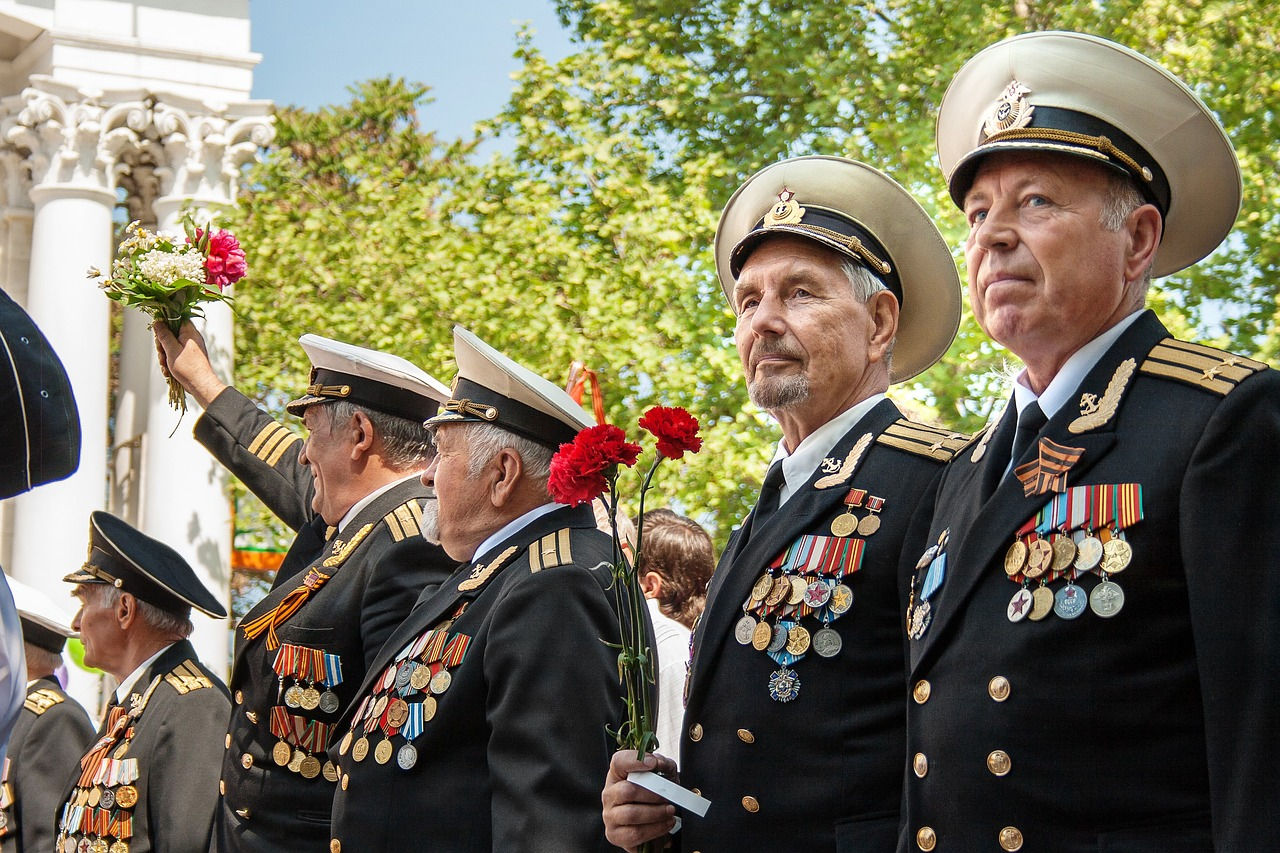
(431,520)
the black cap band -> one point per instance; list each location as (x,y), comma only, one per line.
(474,403)
(1074,133)
(38,635)
(330,386)
(831,229)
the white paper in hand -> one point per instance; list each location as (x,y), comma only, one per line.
(670,791)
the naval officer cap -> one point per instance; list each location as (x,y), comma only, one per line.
(44,623)
(863,214)
(375,380)
(492,389)
(146,568)
(1083,96)
(39,422)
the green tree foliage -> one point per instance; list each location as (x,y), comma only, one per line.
(577,225)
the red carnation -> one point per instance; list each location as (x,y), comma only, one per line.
(224,262)
(675,429)
(578,470)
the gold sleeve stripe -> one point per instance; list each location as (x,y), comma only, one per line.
(923,440)
(566,553)
(261,438)
(550,551)
(280,449)
(416,509)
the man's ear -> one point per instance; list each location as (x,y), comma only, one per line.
(362,434)
(883,310)
(126,611)
(506,471)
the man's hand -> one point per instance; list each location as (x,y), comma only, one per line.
(634,815)
(186,360)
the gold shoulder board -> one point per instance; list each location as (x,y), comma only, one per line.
(404,521)
(186,677)
(1195,364)
(41,701)
(923,440)
(550,551)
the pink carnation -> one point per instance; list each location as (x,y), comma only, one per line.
(224,262)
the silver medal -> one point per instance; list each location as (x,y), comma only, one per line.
(1107,599)
(745,629)
(1070,601)
(827,643)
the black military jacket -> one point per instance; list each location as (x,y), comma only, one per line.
(822,771)
(161,770)
(1154,728)
(51,734)
(374,572)
(510,743)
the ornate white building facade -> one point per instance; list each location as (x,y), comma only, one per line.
(104,103)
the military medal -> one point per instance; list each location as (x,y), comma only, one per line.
(1064,553)
(108,799)
(295,763)
(293,696)
(1039,558)
(784,685)
(420,677)
(119,847)
(778,640)
(95,793)
(310,768)
(310,699)
(281,753)
(1015,558)
(329,703)
(440,681)
(761,588)
(1041,603)
(404,673)
(346,742)
(361,749)
(329,771)
(126,796)
(870,522)
(428,705)
(1070,601)
(798,640)
(380,706)
(841,599)
(1088,553)
(407,756)
(382,752)
(847,523)
(780,590)
(817,594)
(761,636)
(744,629)
(1107,599)
(1116,555)
(397,713)
(1019,605)
(827,642)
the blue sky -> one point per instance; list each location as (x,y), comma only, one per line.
(312,50)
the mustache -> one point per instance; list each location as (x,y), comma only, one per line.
(773,346)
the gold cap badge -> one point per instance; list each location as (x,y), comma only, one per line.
(787,211)
(1011,110)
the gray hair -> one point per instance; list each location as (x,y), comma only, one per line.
(1120,199)
(40,660)
(405,444)
(484,441)
(168,623)
(867,284)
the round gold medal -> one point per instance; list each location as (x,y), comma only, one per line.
(798,587)
(281,753)
(380,705)
(1039,558)
(126,796)
(428,708)
(798,640)
(1088,553)
(843,525)
(397,713)
(1015,558)
(780,590)
(761,636)
(99,845)
(382,752)
(841,600)
(95,794)
(310,699)
(420,678)
(869,524)
(330,771)
(1041,603)
(295,763)
(310,768)
(1064,553)
(346,742)
(361,749)
(763,584)
(1116,554)
(121,751)
(119,847)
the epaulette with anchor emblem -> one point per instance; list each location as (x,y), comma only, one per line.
(923,440)
(405,521)
(186,677)
(42,700)
(1214,370)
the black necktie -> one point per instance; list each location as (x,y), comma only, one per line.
(770,497)
(1030,421)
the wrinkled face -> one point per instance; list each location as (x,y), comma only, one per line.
(325,451)
(1045,276)
(98,626)
(802,335)
(461,500)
